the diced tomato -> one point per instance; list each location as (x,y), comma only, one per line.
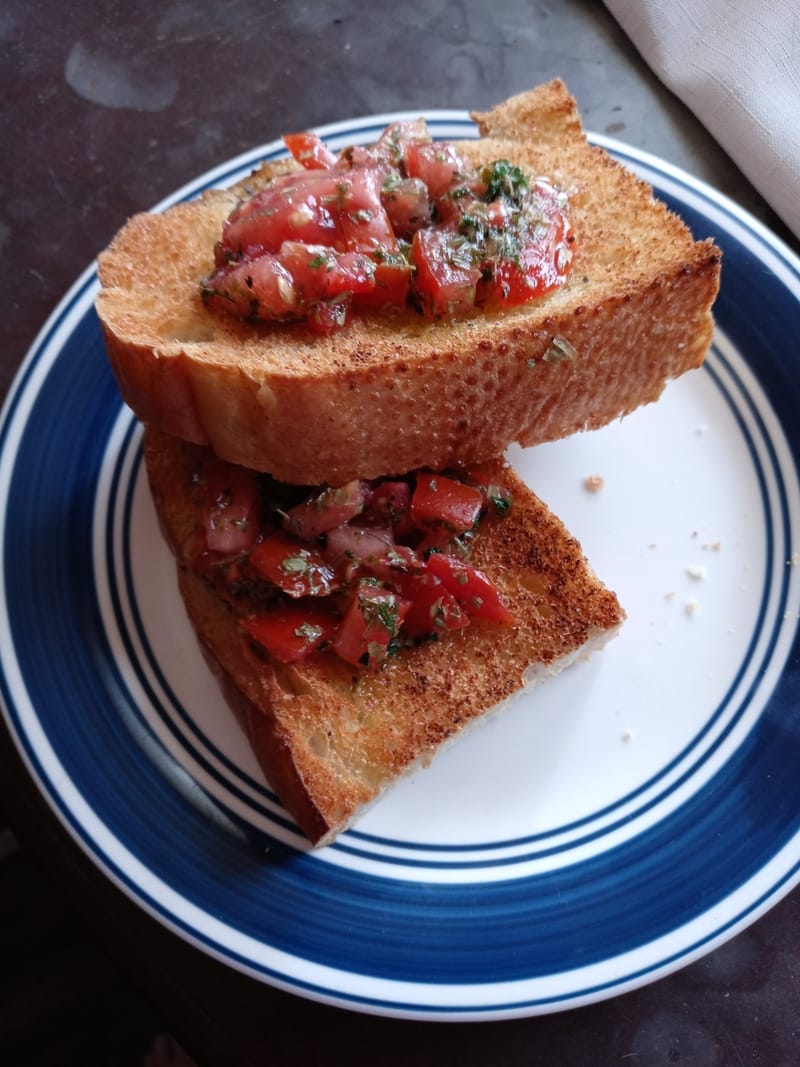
(439,166)
(261,288)
(358,544)
(479,237)
(296,569)
(295,207)
(230,506)
(471,587)
(392,285)
(441,501)
(434,610)
(321,273)
(446,276)
(393,564)
(496,494)
(326,510)
(407,205)
(326,317)
(309,151)
(370,625)
(363,222)
(394,143)
(390,501)
(292,631)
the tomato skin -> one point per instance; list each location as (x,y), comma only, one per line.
(370,625)
(295,207)
(407,205)
(261,288)
(390,501)
(358,545)
(326,510)
(434,610)
(443,502)
(473,590)
(321,273)
(296,569)
(445,280)
(363,222)
(397,139)
(391,289)
(309,151)
(230,507)
(291,632)
(439,166)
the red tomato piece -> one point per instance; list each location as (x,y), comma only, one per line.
(326,510)
(309,151)
(392,285)
(327,317)
(260,288)
(296,569)
(363,222)
(295,207)
(390,501)
(321,273)
(434,610)
(471,587)
(438,165)
(446,276)
(407,205)
(370,625)
(292,631)
(393,145)
(358,544)
(440,501)
(230,506)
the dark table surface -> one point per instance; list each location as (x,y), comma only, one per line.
(105,109)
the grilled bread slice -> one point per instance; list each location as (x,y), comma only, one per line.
(329,737)
(391,393)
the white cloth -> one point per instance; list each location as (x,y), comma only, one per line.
(736,65)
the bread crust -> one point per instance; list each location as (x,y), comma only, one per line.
(329,738)
(394,392)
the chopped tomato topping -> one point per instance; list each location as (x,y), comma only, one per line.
(444,502)
(322,273)
(446,273)
(254,289)
(438,235)
(434,609)
(309,151)
(471,588)
(291,632)
(379,553)
(439,166)
(230,512)
(370,626)
(408,206)
(293,567)
(326,510)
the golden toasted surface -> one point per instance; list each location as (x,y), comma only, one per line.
(394,392)
(330,738)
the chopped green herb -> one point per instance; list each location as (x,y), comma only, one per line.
(505,180)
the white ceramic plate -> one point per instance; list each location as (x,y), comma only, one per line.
(604,830)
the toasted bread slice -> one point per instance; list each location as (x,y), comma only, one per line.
(331,738)
(391,393)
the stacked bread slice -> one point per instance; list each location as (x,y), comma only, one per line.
(390,394)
